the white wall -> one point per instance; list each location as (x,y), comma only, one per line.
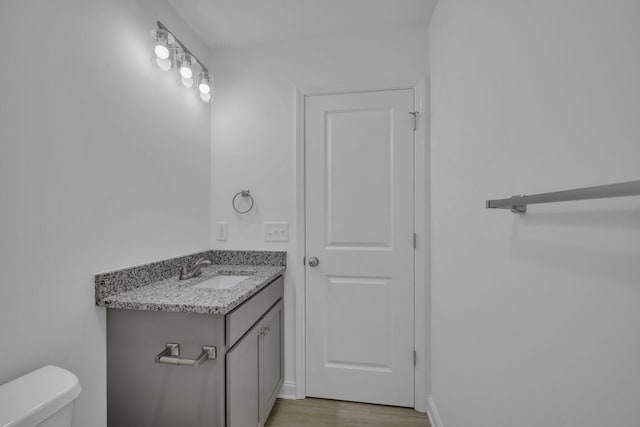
(536,319)
(253,127)
(104,163)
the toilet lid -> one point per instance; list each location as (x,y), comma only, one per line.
(34,397)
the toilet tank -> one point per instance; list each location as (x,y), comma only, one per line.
(42,398)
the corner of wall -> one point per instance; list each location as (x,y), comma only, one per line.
(288,391)
(432,412)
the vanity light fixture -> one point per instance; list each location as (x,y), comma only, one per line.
(185,65)
(172,53)
(204,82)
(162,43)
(188,83)
(163,64)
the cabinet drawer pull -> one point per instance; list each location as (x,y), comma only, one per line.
(171,356)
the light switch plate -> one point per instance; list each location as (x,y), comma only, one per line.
(276,231)
(222,231)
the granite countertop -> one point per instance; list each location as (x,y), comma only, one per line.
(156,287)
(173,294)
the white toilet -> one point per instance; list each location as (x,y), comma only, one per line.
(42,398)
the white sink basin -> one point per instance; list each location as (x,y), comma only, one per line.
(220,282)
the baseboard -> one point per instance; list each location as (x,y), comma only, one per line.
(432,412)
(288,390)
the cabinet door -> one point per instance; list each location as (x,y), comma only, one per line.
(272,363)
(243,381)
(141,393)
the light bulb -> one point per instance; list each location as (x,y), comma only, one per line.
(163,43)
(206,97)
(161,50)
(187,82)
(204,86)
(163,64)
(185,66)
(186,72)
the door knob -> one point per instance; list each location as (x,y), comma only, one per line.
(313,261)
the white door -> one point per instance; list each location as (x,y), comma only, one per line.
(359,169)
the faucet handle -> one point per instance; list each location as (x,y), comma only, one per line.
(183,272)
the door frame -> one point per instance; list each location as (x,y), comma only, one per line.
(421,226)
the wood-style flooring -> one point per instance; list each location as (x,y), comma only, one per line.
(311,412)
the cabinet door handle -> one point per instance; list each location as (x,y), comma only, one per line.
(171,356)
(264,330)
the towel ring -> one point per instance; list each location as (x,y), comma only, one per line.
(243,193)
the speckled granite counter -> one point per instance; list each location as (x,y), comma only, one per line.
(156,286)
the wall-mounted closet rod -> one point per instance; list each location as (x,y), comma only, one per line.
(518,204)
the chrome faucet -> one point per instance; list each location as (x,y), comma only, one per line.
(195,270)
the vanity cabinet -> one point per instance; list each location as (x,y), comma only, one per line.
(238,388)
(272,359)
(255,371)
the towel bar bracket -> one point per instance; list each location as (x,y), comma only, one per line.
(518,209)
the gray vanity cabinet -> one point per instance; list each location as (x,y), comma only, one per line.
(272,362)
(141,393)
(255,371)
(243,381)
(237,387)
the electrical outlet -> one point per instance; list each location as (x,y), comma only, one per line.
(276,231)
(222,231)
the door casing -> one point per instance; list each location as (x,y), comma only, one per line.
(421,226)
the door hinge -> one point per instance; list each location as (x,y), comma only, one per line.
(414,115)
(415,358)
(415,240)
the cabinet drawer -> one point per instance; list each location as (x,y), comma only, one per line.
(241,319)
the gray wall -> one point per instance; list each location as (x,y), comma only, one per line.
(536,319)
(99,152)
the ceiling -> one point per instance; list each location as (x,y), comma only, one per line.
(232,23)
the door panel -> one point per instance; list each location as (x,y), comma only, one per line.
(359,223)
(371,323)
(352,191)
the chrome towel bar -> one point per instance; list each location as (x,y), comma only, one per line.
(518,204)
(171,356)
